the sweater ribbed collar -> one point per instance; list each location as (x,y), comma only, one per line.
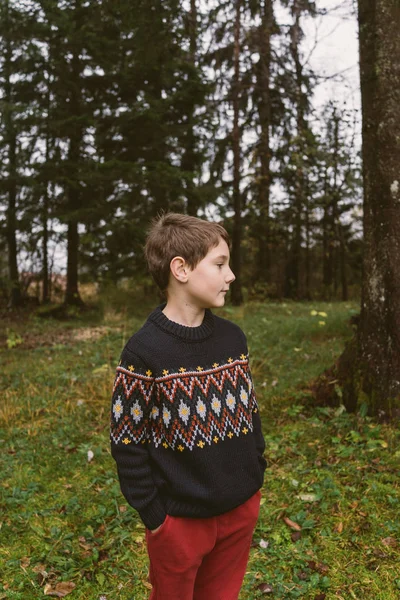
(190,334)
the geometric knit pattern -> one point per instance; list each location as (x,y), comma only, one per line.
(183,410)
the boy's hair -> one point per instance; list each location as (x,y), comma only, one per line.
(174,234)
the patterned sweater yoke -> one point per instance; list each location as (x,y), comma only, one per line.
(185,429)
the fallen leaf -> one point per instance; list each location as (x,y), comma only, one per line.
(25,562)
(292,524)
(41,571)
(389,541)
(308,497)
(319,567)
(265,588)
(139,539)
(295,536)
(147,585)
(60,590)
(339,527)
(90,455)
(83,544)
(320,596)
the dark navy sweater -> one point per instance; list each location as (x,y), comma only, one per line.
(185,428)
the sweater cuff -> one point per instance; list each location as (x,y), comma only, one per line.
(153,515)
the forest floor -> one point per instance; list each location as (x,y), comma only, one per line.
(329,523)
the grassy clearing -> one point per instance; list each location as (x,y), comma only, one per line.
(328,524)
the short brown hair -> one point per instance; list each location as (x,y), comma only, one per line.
(174,234)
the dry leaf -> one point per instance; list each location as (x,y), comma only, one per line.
(25,562)
(308,497)
(292,524)
(41,571)
(319,567)
(320,596)
(60,590)
(295,536)
(389,541)
(147,585)
(265,588)
(339,527)
(83,544)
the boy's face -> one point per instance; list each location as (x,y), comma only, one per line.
(208,283)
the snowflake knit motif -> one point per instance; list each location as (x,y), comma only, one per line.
(186,409)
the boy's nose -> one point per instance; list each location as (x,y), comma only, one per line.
(231,277)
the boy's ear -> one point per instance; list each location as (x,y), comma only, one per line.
(179,269)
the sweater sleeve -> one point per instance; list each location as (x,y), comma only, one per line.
(257,429)
(131,406)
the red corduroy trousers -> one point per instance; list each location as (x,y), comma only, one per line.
(202,559)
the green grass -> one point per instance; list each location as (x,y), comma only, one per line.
(63,518)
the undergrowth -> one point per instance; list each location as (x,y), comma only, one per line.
(328,526)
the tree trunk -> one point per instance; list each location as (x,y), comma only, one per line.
(189,157)
(264,111)
(236,294)
(72,296)
(15,298)
(343,273)
(45,211)
(370,365)
(45,241)
(294,261)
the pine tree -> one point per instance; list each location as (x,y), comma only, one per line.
(369,368)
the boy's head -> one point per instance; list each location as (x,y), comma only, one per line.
(184,238)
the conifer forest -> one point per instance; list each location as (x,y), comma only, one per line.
(114,111)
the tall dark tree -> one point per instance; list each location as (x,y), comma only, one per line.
(339,175)
(263,98)
(9,26)
(236,294)
(370,365)
(300,184)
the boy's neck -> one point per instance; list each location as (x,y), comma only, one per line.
(184,313)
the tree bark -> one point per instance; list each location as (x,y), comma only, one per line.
(236,294)
(370,365)
(292,284)
(45,210)
(264,111)
(72,296)
(15,298)
(189,157)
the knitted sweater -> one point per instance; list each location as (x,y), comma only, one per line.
(185,428)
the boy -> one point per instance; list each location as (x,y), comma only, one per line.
(185,429)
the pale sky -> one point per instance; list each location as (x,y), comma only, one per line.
(336,52)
